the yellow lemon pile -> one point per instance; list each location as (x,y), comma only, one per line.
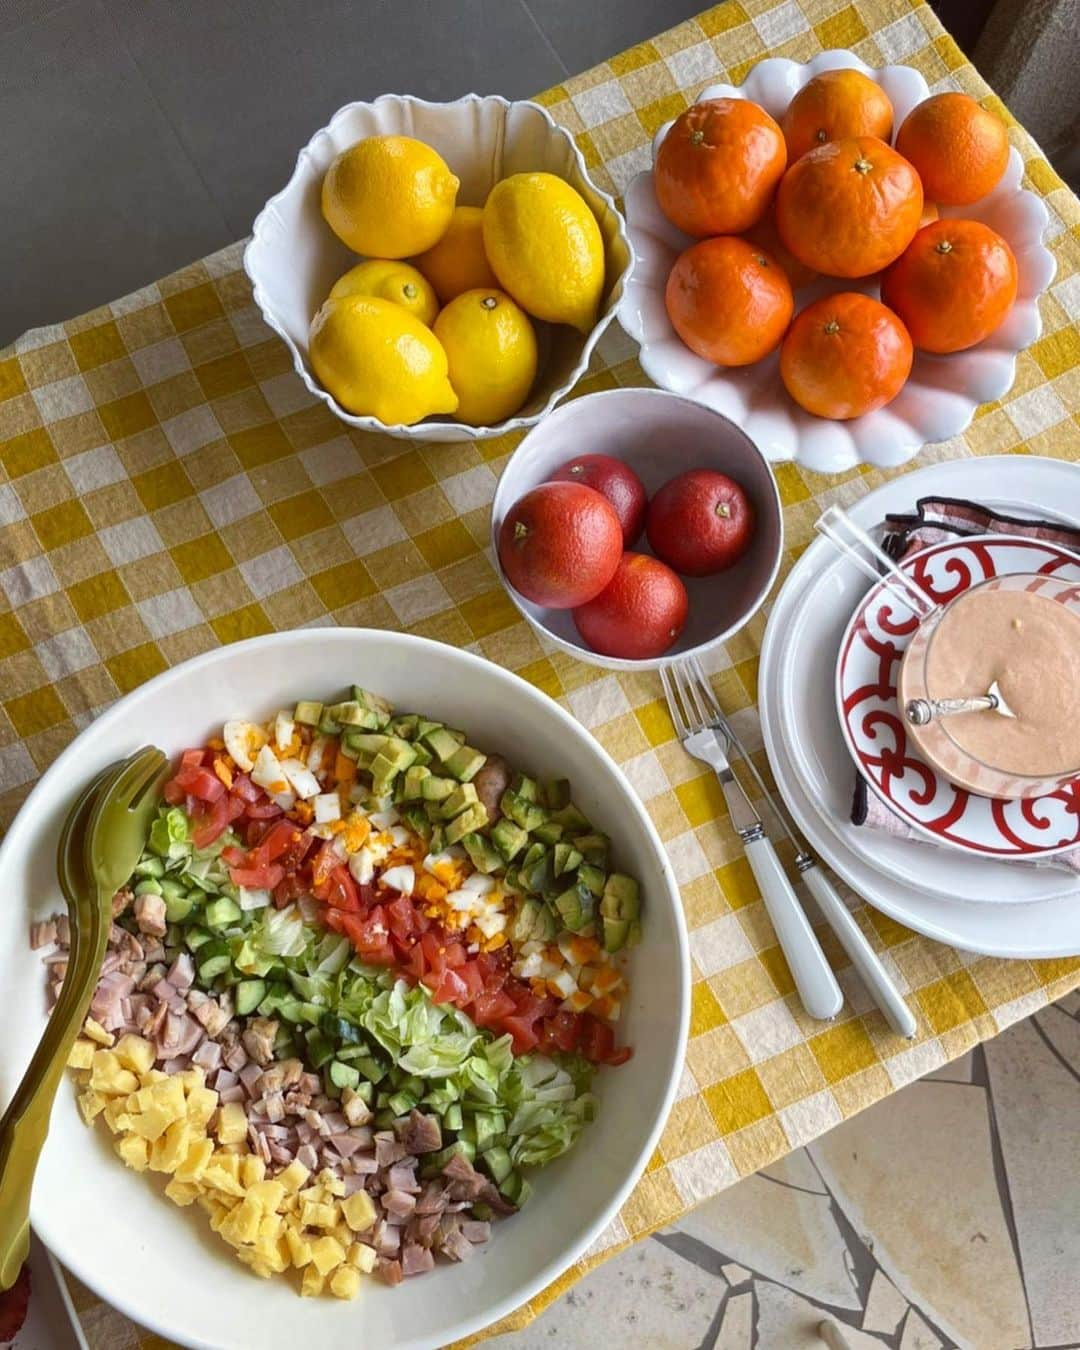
(451,330)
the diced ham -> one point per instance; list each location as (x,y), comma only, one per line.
(354,1108)
(150,915)
(235,1057)
(258,1039)
(399,1204)
(121,900)
(364,1164)
(182,972)
(476,1230)
(345,1144)
(232,1094)
(389,1271)
(42,934)
(402,1176)
(419,1133)
(274,1106)
(224,1078)
(416,1260)
(306,1154)
(387,1149)
(387,1238)
(250,1075)
(335,1122)
(457,1246)
(208,1056)
(177,1065)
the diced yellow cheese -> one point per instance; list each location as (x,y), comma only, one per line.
(116,1116)
(268,1194)
(318,1216)
(201,1105)
(152,1123)
(362,1257)
(135,1053)
(345,1282)
(269,1227)
(108,1075)
(271,1253)
(255,1261)
(175,1145)
(97,1032)
(242,1225)
(327,1254)
(299,1248)
(91,1104)
(216,1177)
(252,1169)
(82,1054)
(169,1096)
(191,1078)
(231,1126)
(182,1192)
(198,1155)
(359,1211)
(331,1184)
(152,1076)
(230,1163)
(342,1232)
(134,1151)
(294,1176)
(315,1194)
(312,1282)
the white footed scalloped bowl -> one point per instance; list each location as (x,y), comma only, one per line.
(294,257)
(940,397)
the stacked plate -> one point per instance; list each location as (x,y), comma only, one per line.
(998,905)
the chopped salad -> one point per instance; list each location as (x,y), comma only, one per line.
(356,990)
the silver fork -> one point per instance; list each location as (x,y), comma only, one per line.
(836,914)
(693,719)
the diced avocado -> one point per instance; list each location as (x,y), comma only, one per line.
(441,744)
(400,753)
(616,932)
(556,793)
(347,750)
(423,754)
(593,877)
(213,959)
(524,813)
(412,784)
(463,796)
(405,726)
(508,838)
(576,907)
(465,763)
(539,876)
(485,857)
(221,912)
(395,756)
(533,854)
(545,928)
(343,1075)
(566,858)
(472,818)
(634,935)
(307,713)
(375,702)
(366,742)
(525,922)
(416,819)
(497,1163)
(319,1050)
(423,726)
(353,714)
(549,832)
(437,789)
(511,880)
(327,725)
(438,840)
(527,788)
(593,848)
(249,994)
(621,897)
(570,818)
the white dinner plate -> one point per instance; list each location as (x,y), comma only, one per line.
(1034,911)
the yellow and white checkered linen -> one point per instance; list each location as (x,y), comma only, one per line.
(168,485)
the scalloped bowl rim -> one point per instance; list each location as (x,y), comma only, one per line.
(432,429)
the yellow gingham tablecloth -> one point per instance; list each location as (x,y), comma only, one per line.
(166,485)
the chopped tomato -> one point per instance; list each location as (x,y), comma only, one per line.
(598,1042)
(211,823)
(451,988)
(260,878)
(342,889)
(201,783)
(561,1032)
(470,976)
(266,810)
(490,1008)
(281,838)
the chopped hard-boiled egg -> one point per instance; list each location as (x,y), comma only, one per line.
(300,778)
(243,741)
(327,808)
(401,878)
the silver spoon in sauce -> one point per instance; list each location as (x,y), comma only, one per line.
(920,711)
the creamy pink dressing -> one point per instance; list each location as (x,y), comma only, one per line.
(1031,646)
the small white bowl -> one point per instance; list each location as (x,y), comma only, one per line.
(659,435)
(294,257)
(943,392)
(161,1265)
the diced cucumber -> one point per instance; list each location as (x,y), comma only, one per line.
(150,867)
(222,912)
(439,741)
(556,794)
(178,907)
(435,1162)
(343,1031)
(148,886)
(195,937)
(344,1075)
(452,1117)
(566,858)
(526,788)
(472,818)
(319,1050)
(249,994)
(484,857)
(465,763)
(212,960)
(401,1103)
(497,1163)
(508,838)
(516,1189)
(593,877)
(549,832)
(370,1069)
(488,1127)
(308,713)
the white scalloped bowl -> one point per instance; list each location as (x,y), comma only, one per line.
(942,393)
(294,257)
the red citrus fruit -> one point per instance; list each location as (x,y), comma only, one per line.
(638,614)
(700,522)
(560,544)
(614,480)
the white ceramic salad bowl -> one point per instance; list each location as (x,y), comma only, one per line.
(161,1265)
(294,257)
(943,392)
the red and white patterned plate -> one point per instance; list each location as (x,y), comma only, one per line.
(869,666)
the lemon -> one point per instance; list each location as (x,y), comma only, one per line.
(377,360)
(389,196)
(458,262)
(491,347)
(545,247)
(394,281)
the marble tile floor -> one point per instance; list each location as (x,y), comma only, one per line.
(947,1216)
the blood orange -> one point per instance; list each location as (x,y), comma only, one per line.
(700,522)
(638,614)
(614,480)
(560,544)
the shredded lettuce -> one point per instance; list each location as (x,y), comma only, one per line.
(279,932)
(170,834)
